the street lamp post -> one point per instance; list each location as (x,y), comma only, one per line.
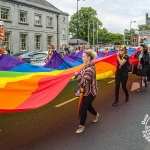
(93,33)
(77,20)
(89,15)
(130,29)
(88,31)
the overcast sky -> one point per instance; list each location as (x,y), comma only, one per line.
(115,15)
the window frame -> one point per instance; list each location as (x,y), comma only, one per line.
(49,17)
(40,16)
(8,41)
(38,42)
(21,11)
(48,44)
(26,42)
(63,19)
(64,34)
(8,8)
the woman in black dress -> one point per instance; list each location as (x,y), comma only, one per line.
(143,65)
(121,75)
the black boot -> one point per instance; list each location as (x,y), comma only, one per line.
(145,82)
(127,99)
(115,103)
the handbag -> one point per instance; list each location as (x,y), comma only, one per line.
(129,66)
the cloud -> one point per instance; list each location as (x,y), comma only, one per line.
(115,15)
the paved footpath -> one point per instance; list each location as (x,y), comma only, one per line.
(53,128)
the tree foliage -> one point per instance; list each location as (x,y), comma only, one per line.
(143,27)
(128,33)
(87,20)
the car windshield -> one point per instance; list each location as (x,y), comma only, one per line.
(17,54)
(29,54)
(39,56)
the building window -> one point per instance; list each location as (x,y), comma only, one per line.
(37,19)
(6,41)
(49,41)
(134,40)
(49,22)
(23,17)
(142,41)
(5,13)
(23,42)
(63,20)
(64,33)
(38,42)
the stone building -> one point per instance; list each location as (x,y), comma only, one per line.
(144,35)
(147,20)
(33,25)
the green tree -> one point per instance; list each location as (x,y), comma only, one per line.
(86,20)
(129,33)
(143,27)
(103,35)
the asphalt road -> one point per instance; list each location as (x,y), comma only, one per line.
(53,128)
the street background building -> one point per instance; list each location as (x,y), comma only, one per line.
(33,25)
(144,35)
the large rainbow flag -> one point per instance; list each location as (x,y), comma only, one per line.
(24,86)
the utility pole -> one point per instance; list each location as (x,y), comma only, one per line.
(93,33)
(88,32)
(97,32)
(77,22)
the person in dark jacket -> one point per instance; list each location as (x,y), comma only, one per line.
(121,75)
(143,65)
(148,77)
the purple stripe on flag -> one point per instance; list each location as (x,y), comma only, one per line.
(8,62)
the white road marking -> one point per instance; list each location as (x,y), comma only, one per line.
(66,102)
(111,81)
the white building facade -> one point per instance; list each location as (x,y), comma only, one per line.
(33,25)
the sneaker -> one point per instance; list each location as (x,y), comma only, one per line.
(96,118)
(77,95)
(115,103)
(80,129)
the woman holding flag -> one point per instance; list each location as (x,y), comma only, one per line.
(121,75)
(88,84)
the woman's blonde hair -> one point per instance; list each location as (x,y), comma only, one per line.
(90,54)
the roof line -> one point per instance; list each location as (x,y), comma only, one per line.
(31,4)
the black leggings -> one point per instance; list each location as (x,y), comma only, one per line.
(87,105)
(121,78)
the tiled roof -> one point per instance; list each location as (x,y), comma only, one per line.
(43,2)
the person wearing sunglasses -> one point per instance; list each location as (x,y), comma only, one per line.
(121,75)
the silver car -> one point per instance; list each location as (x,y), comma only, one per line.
(39,59)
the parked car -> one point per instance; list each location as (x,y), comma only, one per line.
(39,58)
(102,49)
(24,56)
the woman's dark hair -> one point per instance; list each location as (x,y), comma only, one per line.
(144,46)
